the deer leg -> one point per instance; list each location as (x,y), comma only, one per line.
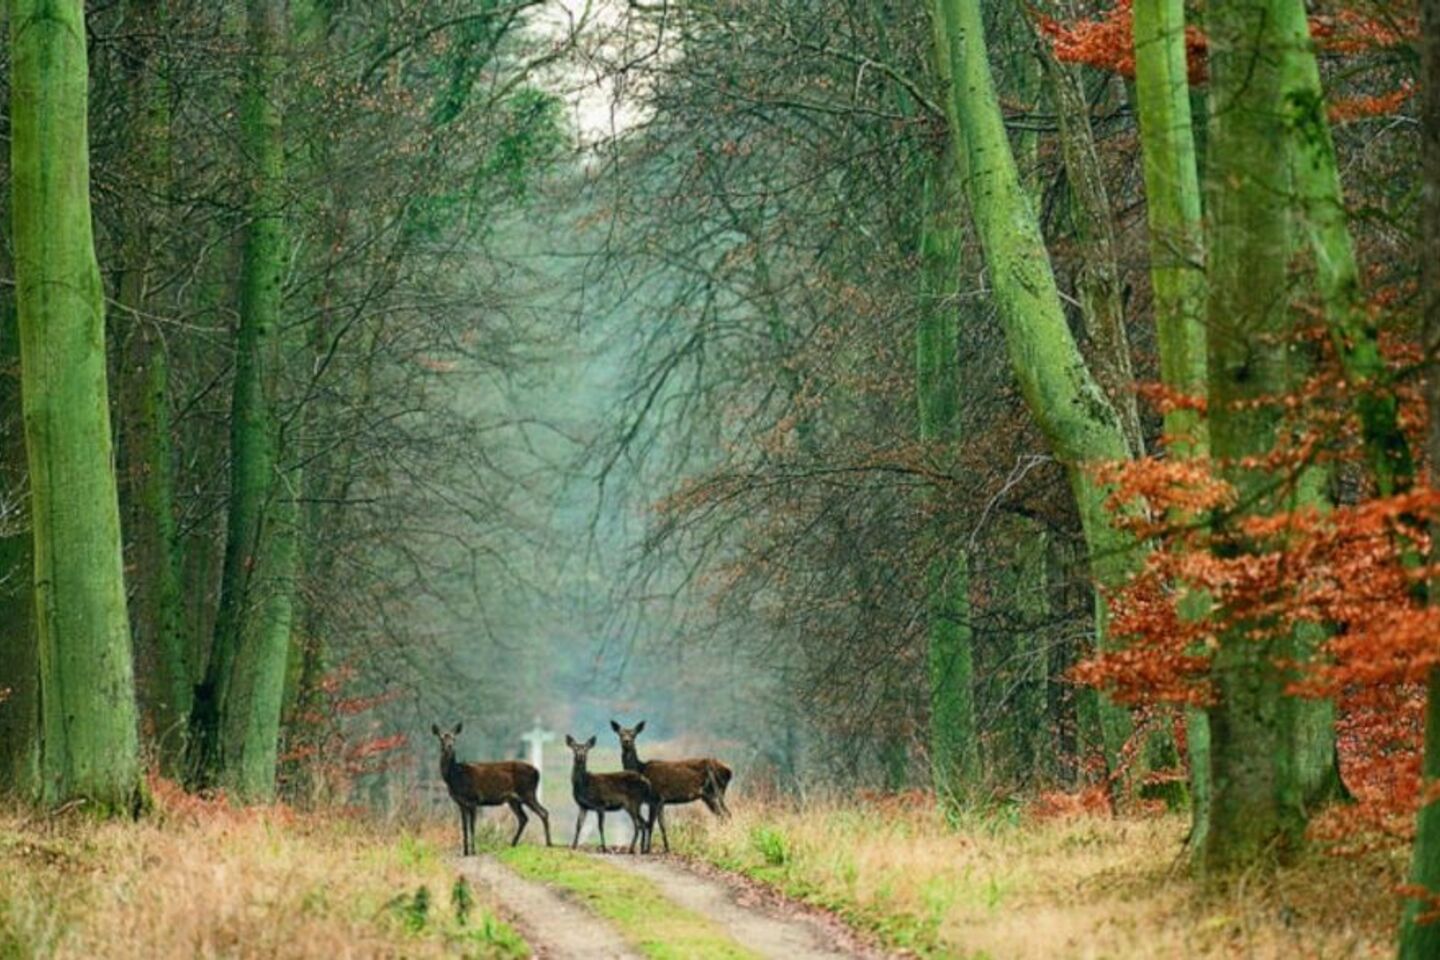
(519,812)
(542,813)
(579,822)
(660,818)
(600,818)
(637,827)
(464,841)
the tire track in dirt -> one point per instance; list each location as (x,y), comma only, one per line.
(555,928)
(766,925)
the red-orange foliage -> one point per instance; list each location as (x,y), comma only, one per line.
(335,740)
(1108,43)
(1353,574)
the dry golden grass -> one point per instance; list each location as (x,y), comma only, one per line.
(1083,887)
(210,882)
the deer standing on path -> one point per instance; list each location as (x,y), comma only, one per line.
(675,781)
(600,792)
(473,785)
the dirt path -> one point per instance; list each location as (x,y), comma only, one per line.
(555,928)
(766,926)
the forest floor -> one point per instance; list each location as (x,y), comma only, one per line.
(817,881)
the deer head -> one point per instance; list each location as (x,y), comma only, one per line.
(447,740)
(581,750)
(627,735)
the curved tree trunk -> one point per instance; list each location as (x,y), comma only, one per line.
(1077,419)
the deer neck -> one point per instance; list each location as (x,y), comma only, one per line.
(448,766)
(579,776)
(630,759)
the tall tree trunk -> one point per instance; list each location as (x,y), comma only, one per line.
(1324,223)
(1177,278)
(954,747)
(147,477)
(1421,941)
(1078,421)
(237,711)
(1256,809)
(90,747)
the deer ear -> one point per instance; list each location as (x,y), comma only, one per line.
(458,727)
(640,726)
(590,742)
(570,741)
(614,726)
(435,729)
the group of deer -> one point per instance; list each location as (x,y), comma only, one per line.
(643,789)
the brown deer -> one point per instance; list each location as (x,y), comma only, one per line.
(600,792)
(475,785)
(675,781)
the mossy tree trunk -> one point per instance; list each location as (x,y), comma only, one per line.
(1177,277)
(147,475)
(237,712)
(1078,420)
(90,746)
(954,747)
(1421,941)
(1097,279)
(1256,809)
(1324,225)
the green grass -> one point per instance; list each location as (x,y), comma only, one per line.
(635,906)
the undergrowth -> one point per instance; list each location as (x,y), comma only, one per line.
(1074,886)
(201,879)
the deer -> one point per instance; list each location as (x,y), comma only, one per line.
(600,792)
(473,785)
(675,781)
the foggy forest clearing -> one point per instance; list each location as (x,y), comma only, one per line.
(946,477)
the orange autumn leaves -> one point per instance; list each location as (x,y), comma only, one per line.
(1351,577)
(1106,42)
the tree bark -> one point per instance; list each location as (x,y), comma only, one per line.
(954,746)
(237,711)
(1324,224)
(90,748)
(1097,279)
(1177,279)
(1256,810)
(1078,421)
(1421,940)
(147,476)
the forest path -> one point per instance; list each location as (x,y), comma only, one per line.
(588,905)
(555,928)
(764,923)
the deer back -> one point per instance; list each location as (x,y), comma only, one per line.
(677,781)
(491,783)
(614,789)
